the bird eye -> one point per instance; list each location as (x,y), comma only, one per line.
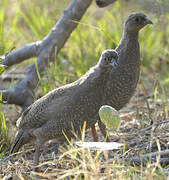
(106,59)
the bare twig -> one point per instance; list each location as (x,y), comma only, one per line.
(150,157)
(155,124)
(153,154)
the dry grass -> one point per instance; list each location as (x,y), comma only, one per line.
(144,129)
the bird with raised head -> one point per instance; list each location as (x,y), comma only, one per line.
(123,80)
(66,108)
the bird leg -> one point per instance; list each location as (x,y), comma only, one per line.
(95,136)
(103,130)
(36,156)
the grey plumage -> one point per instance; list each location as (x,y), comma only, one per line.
(123,80)
(66,108)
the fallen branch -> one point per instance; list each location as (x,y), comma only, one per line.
(46,50)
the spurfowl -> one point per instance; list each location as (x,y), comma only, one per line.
(123,79)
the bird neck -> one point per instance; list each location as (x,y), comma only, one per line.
(130,35)
(128,49)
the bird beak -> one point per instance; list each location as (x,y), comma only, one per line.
(114,62)
(148,21)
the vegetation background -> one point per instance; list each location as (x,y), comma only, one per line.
(24,21)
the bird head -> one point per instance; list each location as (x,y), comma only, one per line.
(109,58)
(136,21)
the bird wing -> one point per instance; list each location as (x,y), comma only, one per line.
(45,108)
(22,116)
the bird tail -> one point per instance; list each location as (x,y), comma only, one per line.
(22,137)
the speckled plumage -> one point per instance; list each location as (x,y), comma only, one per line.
(66,108)
(123,80)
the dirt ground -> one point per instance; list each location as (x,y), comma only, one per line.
(144,128)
